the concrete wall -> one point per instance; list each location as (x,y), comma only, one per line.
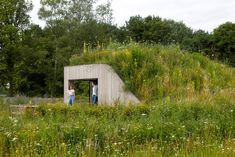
(110,86)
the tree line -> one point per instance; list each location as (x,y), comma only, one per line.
(32,58)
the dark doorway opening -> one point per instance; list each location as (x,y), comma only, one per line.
(83,90)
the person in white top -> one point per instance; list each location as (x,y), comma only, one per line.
(94,93)
(71,93)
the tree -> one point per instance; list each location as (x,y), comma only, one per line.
(153,29)
(70,25)
(136,28)
(34,62)
(179,32)
(200,41)
(104,13)
(13,20)
(224,41)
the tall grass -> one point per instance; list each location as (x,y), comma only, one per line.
(156,72)
(157,129)
(188,110)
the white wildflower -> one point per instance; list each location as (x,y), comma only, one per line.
(14,139)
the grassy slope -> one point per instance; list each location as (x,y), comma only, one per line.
(181,125)
(156,72)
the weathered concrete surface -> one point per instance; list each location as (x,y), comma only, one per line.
(110,86)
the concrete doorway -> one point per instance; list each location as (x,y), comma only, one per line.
(110,85)
(83,90)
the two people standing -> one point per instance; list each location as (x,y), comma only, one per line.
(71,93)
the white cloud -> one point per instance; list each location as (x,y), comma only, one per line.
(197,14)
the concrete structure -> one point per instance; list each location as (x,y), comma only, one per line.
(110,85)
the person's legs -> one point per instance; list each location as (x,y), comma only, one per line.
(94,99)
(72,97)
(95,102)
(70,100)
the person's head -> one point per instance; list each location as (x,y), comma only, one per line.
(94,83)
(70,87)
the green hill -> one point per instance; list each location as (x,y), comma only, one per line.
(154,72)
(183,124)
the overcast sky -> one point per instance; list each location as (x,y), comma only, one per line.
(197,14)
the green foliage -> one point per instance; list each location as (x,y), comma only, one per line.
(80,11)
(32,58)
(156,72)
(224,39)
(151,29)
(13,19)
(159,128)
(157,30)
(199,42)
(71,26)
